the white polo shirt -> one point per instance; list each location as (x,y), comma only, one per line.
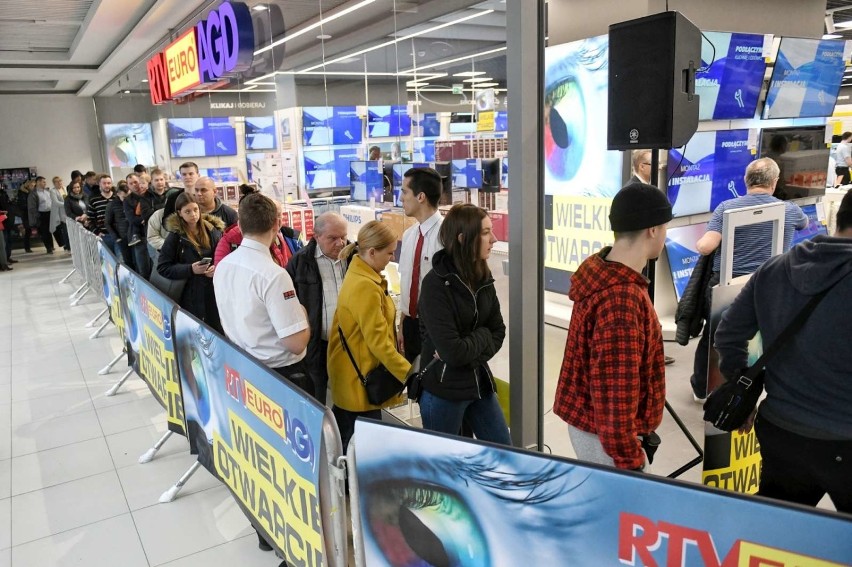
(257,304)
(430,228)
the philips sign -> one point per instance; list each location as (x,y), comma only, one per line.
(219,45)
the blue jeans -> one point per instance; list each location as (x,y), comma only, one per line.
(483,416)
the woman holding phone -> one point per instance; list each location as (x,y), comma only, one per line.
(187,255)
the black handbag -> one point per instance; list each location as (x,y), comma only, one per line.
(414,382)
(731,403)
(380,384)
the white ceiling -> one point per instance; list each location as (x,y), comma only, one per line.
(98,47)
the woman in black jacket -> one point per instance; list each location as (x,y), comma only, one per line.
(461,325)
(76,203)
(193,238)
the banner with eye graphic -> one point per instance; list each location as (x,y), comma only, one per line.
(428,499)
(150,342)
(109,273)
(259,434)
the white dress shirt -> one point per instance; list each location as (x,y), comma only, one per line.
(430,228)
(331,272)
(257,304)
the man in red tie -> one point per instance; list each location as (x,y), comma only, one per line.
(421,190)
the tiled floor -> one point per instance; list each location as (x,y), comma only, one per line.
(71,489)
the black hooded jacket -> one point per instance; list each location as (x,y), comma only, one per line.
(464,326)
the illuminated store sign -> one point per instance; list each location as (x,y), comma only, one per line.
(217,46)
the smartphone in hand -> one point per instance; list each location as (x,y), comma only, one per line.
(205,260)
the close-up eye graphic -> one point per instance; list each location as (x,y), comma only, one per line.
(416,524)
(196,378)
(564,128)
(129,313)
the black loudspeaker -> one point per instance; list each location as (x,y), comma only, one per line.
(652,100)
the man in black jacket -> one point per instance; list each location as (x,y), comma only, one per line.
(138,207)
(317,275)
(208,202)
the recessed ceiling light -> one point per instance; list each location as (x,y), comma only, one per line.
(478,80)
(126,92)
(144,80)
(831,36)
(416,83)
(323,36)
(259,8)
(844,25)
(469,74)
(485,85)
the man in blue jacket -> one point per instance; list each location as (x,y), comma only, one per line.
(804,425)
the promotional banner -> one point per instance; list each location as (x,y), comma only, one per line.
(427,499)
(258,434)
(150,342)
(682,255)
(109,271)
(579,227)
(707,171)
(729,88)
(806,78)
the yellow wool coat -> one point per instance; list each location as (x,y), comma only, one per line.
(367,316)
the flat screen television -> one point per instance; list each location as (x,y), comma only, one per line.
(366,180)
(427,125)
(201,137)
(467,173)
(331,126)
(501,121)
(802,155)
(260,133)
(730,87)
(221,174)
(682,255)
(398,173)
(814,227)
(806,78)
(424,150)
(328,169)
(462,123)
(385,121)
(491,172)
(504,174)
(445,170)
(129,144)
(707,171)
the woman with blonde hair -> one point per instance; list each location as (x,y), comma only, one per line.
(366,315)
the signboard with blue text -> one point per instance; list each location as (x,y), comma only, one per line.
(806,78)
(730,86)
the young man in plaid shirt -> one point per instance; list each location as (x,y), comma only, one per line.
(612,385)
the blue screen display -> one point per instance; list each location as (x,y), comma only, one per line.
(366,181)
(501,121)
(260,133)
(201,137)
(730,87)
(504,172)
(682,253)
(399,170)
(331,125)
(814,227)
(388,121)
(429,125)
(467,173)
(707,171)
(326,169)
(424,150)
(222,174)
(806,78)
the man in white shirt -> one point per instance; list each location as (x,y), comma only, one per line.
(421,190)
(257,303)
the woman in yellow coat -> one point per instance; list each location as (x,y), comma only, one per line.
(366,315)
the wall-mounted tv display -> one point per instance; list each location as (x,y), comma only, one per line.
(467,173)
(383,121)
(327,169)
(707,171)
(814,227)
(682,255)
(806,78)
(260,133)
(398,174)
(221,174)
(427,126)
(366,181)
(729,88)
(424,150)
(201,137)
(504,172)
(331,126)
(501,121)
(802,155)
(129,144)
(462,123)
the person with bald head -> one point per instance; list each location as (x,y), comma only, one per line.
(317,274)
(208,202)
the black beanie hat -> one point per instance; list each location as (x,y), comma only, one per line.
(638,206)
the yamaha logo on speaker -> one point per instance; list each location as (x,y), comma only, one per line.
(634,136)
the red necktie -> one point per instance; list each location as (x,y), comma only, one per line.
(415,278)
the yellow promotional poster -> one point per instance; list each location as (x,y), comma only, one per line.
(182,63)
(580,227)
(109,269)
(258,434)
(485,121)
(150,343)
(740,472)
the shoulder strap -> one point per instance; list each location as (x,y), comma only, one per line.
(351,358)
(788,333)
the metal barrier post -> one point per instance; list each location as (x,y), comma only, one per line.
(92,323)
(148,455)
(170,494)
(112,391)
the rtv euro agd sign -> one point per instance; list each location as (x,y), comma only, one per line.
(217,46)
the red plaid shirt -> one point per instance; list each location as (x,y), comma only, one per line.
(612,381)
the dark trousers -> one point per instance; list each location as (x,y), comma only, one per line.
(803,470)
(27,231)
(44,230)
(411,336)
(141,259)
(319,371)
(346,421)
(844,176)
(297,374)
(8,233)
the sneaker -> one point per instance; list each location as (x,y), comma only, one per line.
(698,400)
(136,240)
(50,251)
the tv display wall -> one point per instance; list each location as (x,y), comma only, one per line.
(201,137)
(260,133)
(366,181)
(331,126)
(806,78)
(707,171)
(383,121)
(467,173)
(327,169)
(730,87)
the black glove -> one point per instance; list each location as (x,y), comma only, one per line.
(650,442)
